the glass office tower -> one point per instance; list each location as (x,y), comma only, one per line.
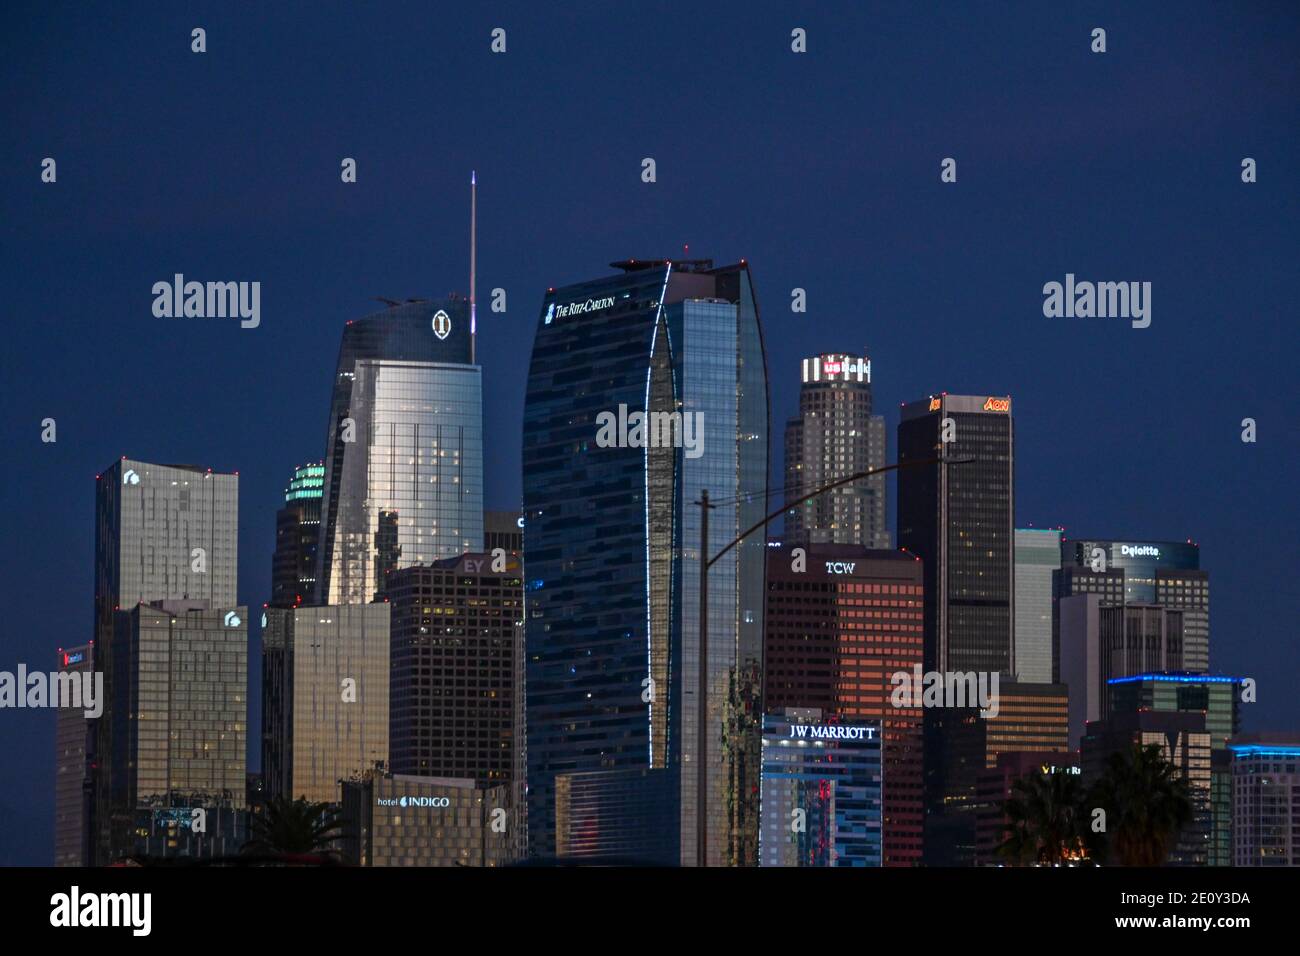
(822,782)
(612,545)
(325,697)
(297,535)
(403,479)
(1037,557)
(958,518)
(72,747)
(162,532)
(176,721)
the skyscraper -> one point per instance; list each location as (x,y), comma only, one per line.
(1184,742)
(457,698)
(403,480)
(612,544)
(840,623)
(1218,699)
(834,436)
(326,697)
(962,743)
(994,786)
(1037,556)
(1165,573)
(821,790)
(177,721)
(297,534)
(959,520)
(162,533)
(1266,799)
(1104,641)
(71,747)
(503,529)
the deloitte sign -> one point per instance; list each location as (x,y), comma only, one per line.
(1139,551)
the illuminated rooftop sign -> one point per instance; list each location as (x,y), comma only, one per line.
(413,801)
(441,324)
(1139,551)
(837,367)
(582,307)
(831,732)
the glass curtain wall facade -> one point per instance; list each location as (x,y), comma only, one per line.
(822,785)
(403,479)
(162,532)
(149,521)
(708,335)
(330,668)
(612,542)
(959,519)
(178,712)
(1037,557)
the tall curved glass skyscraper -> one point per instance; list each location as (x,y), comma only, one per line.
(612,550)
(404,453)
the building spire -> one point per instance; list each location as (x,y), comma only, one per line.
(473,264)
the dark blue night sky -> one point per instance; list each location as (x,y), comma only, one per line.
(822,170)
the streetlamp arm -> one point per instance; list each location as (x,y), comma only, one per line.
(856,476)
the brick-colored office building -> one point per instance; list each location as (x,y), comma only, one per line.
(841,620)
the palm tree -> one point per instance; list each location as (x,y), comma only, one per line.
(1148,804)
(1045,816)
(294,826)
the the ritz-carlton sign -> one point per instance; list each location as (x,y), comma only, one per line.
(554,311)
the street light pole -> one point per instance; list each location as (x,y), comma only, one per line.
(702,731)
(702,737)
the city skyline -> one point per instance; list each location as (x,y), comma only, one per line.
(1099,406)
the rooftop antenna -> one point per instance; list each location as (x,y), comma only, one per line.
(473,262)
